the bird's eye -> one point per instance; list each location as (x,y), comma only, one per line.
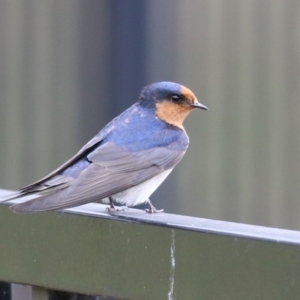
(176,98)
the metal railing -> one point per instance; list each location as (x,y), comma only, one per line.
(134,255)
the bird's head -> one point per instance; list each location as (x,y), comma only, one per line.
(172,102)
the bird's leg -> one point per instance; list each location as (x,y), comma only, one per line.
(111,202)
(112,207)
(152,209)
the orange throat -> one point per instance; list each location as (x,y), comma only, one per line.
(171,113)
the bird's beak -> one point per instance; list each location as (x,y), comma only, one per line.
(199,105)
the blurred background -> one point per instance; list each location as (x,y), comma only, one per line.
(68,67)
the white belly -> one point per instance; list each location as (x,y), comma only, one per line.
(140,193)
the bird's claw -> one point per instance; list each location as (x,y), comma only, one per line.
(153,211)
(115,209)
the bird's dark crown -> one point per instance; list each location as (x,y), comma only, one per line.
(171,101)
(166,91)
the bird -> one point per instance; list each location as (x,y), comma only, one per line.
(126,161)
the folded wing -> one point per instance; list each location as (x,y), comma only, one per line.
(112,170)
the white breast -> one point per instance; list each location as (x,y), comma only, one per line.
(140,193)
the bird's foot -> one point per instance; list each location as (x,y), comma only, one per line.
(112,208)
(152,209)
(115,209)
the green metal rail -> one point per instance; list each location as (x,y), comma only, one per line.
(134,255)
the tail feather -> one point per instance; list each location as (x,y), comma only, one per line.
(56,183)
(30,206)
(12,196)
(47,203)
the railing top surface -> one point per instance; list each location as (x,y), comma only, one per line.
(186,222)
(193,224)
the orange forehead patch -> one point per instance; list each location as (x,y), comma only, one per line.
(188,94)
(172,113)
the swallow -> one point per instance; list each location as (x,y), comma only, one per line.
(126,161)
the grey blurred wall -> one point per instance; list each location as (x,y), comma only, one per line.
(67,67)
